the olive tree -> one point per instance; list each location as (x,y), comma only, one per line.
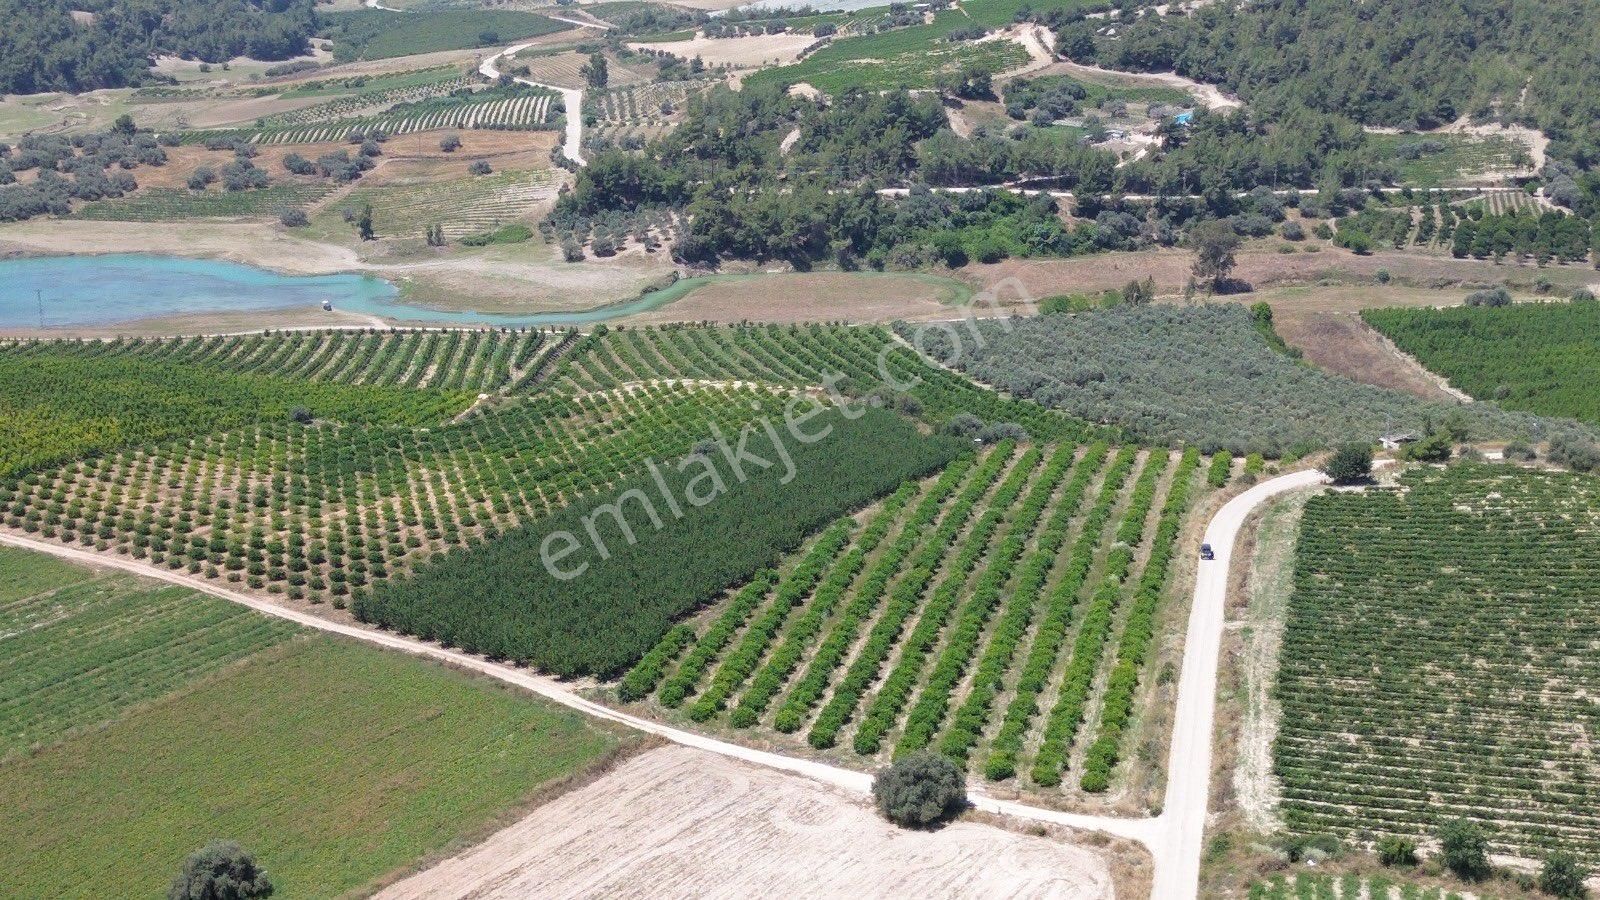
(221,870)
(920,789)
(1350,464)
(1464,849)
(1563,876)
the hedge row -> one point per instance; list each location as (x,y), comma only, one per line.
(1062,725)
(642,679)
(928,713)
(792,590)
(903,601)
(800,633)
(891,698)
(1047,643)
(1221,468)
(989,679)
(1138,632)
(743,605)
(831,654)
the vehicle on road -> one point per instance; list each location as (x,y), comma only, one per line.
(1206,553)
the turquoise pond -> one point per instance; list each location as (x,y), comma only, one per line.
(104,290)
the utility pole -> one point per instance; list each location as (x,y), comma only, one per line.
(39,296)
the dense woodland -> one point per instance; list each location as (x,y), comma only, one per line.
(1414,65)
(747,196)
(42,48)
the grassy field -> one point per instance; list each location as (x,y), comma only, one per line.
(465,205)
(902,58)
(1460,157)
(334,763)
(80,648)
(378,34)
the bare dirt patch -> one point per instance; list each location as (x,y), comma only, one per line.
(1262,267)
(677,822)
(1268,584)
(754,50)
(252,243)
(812,297)
(1342,343)
(564,70)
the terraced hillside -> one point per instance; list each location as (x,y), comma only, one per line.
(1000,613)
(1439,660)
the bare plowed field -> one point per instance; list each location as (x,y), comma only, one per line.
(678,822)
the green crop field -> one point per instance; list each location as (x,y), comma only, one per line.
(481,360)
(901,58)
(334,763)
(57,405)
(79,649)
(217,481)
(380,34)
(1538,357)
(1439,660)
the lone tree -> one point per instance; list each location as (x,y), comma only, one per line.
(364,223)
(221,870)
(595,72)
(1397,851)
(1352,463)
(1214,243)
(920,789)
(1562,876)
(1464,849)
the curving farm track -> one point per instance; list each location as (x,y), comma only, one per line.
(1174,838)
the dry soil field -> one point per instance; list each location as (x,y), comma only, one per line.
(739,52)
(812,297)
(677,822)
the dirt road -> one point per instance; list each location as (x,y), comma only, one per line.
(1174,838)
(677,822)
(573,147)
